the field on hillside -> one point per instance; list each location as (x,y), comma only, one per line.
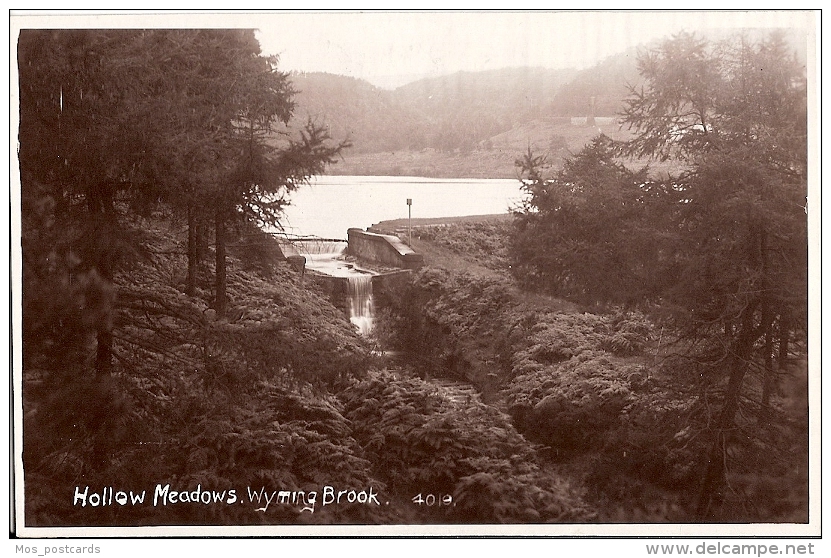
(558,138)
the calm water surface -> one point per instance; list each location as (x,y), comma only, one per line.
(333,204)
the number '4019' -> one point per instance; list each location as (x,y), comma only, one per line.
(433,499)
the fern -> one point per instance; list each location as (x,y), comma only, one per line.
(417,439)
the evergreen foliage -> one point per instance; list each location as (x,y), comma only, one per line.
(588,233)
(145,363)
(417,437)
(122,131)
(718,250)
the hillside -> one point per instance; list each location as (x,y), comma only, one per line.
(556,137)
(209,418)
(466,108)
(473,124)
(447,113)
(604,85)
(468,124)
(355,110)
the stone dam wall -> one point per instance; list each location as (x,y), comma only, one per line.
(383,249)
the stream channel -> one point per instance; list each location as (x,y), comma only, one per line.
(328,257)
(330,205)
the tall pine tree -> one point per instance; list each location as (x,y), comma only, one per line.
(734,113)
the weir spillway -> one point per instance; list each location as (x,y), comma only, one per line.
(328,258)
(354,271)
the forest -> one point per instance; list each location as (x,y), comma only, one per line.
(629,346)
(473,124)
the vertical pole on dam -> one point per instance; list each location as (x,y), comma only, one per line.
(409,221)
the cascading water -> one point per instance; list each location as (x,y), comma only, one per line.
(359,296)
(326,256)
(321,252)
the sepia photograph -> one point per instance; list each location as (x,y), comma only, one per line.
(397,273)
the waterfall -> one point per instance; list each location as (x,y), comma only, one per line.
(359,297)
(327,257)
(320,247)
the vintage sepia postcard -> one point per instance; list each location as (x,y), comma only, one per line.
(416,274)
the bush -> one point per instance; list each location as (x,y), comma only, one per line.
(448,324)
(485,241)
(629,334)
(539,340)
(417,437)
(569,406)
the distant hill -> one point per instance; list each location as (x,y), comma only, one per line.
(472,124)
(455,112)
(606,84)
(466,108)
(468,124)
(356,110)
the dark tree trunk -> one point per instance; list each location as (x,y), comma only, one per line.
(100,204)
(193,253)
(711,495)
(202,240)
(771,384)
(767,382)
(220,304)
(768,316)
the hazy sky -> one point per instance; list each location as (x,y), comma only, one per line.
(391,48)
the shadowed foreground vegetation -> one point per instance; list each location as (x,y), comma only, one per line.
(281,395)
(581,417)
(615,400)
(628,346)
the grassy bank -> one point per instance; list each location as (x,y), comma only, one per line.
(607,392)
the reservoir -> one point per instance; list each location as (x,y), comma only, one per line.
(330,205)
